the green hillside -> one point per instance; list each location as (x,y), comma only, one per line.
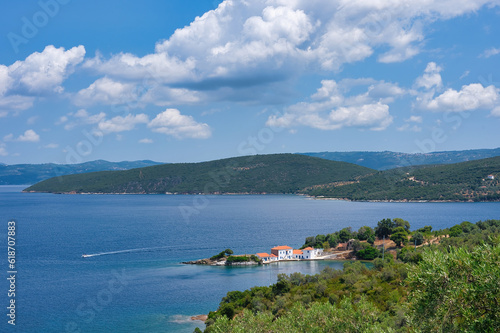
(279,173)
(465,181)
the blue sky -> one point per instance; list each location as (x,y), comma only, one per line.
(186,81)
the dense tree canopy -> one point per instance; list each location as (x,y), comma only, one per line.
(365,233)
(456,291)
(399,236)
(401,223)
(384,228)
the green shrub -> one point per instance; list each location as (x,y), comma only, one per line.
(455,231)
(417,238)
(237,259)
(218,256)
(399,236)
(369,253)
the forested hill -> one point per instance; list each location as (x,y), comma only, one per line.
(385,160)
(278,173)
(23,174)
(466,181)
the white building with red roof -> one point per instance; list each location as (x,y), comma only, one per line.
(298,254)
(283,252)
(310,253)
(265,257)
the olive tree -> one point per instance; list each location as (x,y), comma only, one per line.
(456,291)
(384,228)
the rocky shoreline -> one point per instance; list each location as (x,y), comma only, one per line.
(202,318)
(320,197)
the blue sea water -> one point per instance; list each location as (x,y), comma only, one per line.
(135,282)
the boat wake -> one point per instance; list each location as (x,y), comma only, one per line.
(144,249)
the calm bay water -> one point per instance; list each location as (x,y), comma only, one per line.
(136,283)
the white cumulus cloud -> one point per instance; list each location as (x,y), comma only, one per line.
(46,70)
(431,77)
(414,119)
(40,73)
(16,103)
(247,44)
(28,136)
(106,91)
(331,109)
(5,79)
(121,124)
(172,122)
(81,117)
(373,116)
(471,97)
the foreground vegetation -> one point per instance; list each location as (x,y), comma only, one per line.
(453,286)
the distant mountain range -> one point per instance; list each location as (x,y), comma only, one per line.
(25,174)
(278,173)
(386,160)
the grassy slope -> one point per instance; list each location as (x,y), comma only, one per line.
(461,181)
(279,173)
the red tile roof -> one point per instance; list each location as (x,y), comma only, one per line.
(283,247)
(274,256)
(297,252)
(308,248)
(263,255)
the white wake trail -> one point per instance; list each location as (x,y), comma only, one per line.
(144,249)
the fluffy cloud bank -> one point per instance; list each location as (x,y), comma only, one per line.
(45,71)
(330,109)
(28,136)
(172,122)
(431,77)
(40,73)
(244,44)
(470,97)
(121,124)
